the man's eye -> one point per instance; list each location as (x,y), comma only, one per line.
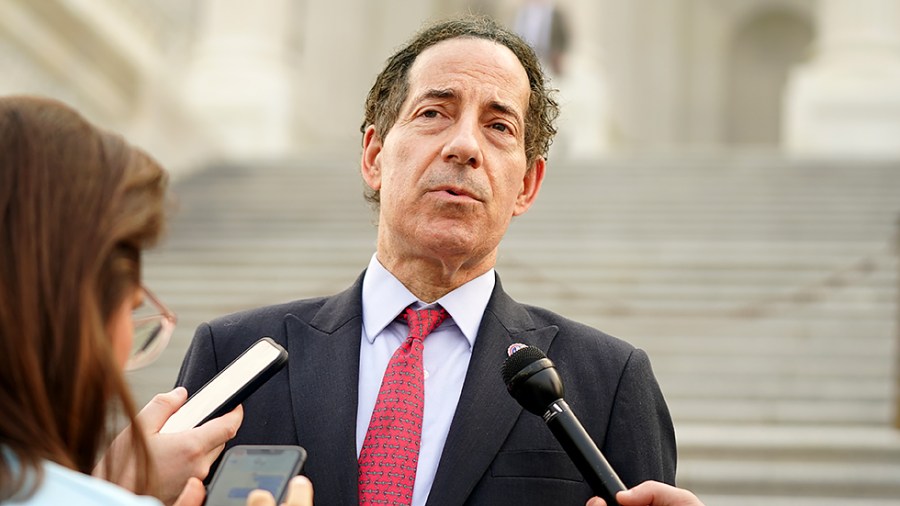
(500,127)
(430,113)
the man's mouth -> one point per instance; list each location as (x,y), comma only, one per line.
(458,192)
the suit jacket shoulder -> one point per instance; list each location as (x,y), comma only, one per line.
(498,453)
(312,402)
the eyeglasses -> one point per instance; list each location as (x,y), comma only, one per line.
(153,326)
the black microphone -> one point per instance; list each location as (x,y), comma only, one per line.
(532,380)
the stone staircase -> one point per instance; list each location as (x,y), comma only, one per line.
(764,290)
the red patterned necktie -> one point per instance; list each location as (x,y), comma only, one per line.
(390,452)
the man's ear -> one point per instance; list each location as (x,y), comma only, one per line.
(370,165)
(531,185)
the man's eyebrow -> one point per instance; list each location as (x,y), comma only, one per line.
(434,93)
(505,110)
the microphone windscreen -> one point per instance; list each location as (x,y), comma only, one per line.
(520,360)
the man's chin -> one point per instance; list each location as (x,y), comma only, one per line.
(465,247)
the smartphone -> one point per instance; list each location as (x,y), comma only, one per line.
(248,467)
(230,387)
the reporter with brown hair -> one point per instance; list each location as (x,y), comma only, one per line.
(77,207)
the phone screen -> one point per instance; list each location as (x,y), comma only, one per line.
(230,387)
(245,468)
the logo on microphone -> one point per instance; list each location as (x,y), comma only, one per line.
(514,348)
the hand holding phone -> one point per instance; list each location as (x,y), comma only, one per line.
(230,387)
(248,467)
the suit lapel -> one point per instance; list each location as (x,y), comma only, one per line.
(486,412)
(324,381)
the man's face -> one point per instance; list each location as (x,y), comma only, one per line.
(452,170)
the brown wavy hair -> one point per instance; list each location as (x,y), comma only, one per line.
(77,206)
(387,95)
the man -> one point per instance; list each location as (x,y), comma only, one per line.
(456,130)
(543,26)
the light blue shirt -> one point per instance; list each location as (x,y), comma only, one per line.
(446,358)
(62,485)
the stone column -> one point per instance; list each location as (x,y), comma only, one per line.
(239,81)
(345,44)
(846,101)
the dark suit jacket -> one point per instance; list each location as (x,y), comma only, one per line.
(496,453)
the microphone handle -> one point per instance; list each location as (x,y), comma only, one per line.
(571,435)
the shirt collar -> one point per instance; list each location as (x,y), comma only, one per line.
(384,297)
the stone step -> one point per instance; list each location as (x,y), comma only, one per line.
(753,386)
(878,297)
(597,263)
(751,499)
(774,325)
(701,217)
(738,411)
(787,347)
(815,442)
(810,479)
(770,362)
(640,197)
(581,305)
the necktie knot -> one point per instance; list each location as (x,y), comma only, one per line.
(424,321)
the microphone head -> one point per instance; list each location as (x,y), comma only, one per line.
(520,358)
(532,380)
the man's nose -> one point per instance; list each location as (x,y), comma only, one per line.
(464,145)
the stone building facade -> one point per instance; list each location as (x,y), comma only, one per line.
(201,80)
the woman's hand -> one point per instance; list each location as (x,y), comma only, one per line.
(300,493)
(177,457)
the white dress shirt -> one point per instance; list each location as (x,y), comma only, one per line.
(446,357)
